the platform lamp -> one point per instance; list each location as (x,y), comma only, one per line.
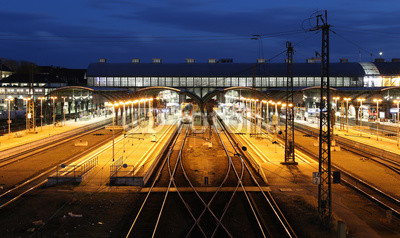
(347,112)
(8,100)
(398,125)
(377,116)
(26,112)
(336,106)
(361,100)
(41,112)
(54,110)
(64,97)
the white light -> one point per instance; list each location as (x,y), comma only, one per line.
(380,53)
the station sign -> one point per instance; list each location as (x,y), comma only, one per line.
(316,178)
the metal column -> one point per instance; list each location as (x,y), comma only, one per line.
(289,121)
(324,188)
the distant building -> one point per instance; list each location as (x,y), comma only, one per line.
(4,71)
(204,78)
(16,86)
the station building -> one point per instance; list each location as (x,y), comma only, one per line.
(365,79)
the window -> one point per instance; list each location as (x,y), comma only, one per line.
(110,81)
(169,82)
(154,81)
(242,82)
(303,82)
(197,82)
(103,81)
(213,82)
(131,82)
(205,82)
(182,82)
(190,81)
(175,82)
(220,82)
(146,81)
(124,82)
(139,82)
(117,81)
(235,82)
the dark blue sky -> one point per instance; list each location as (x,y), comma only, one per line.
(75,33)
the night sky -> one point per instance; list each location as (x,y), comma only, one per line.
(75,33)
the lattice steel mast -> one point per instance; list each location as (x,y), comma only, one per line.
(289,121)
(324,188)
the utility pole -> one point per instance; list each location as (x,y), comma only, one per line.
(30,115)
(325,179)
(289,121)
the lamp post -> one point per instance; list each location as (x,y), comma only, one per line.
(361,100)
(9,116)
(54,110)
(336,107)
(397,117)
(64,97)
(377,117)
(41,112)
(26,112)
(113,105)
(347,113)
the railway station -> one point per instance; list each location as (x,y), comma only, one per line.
(223,139)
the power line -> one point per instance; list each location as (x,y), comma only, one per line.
(353,43)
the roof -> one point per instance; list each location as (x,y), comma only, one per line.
(4,68)
(37,78)
(219,69)
(388,68)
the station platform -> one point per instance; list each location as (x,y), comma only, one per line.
(18,138)
(380,142)
(137,150)
(293,183)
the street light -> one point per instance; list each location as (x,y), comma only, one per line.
(26,112)
(336,107)
(41,112)
(54,110)
(347,112)
(377,116)
(398,128)
(361,100)
(9,119)
(64,97)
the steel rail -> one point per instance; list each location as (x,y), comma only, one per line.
(393,164)
(278,213)
(169,184)
(48,171)
(154,182)
(359,181)
(237,186)
(241,184)
(37,149)
(177,189)
(207,205)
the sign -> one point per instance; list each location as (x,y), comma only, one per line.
(206,180)
(316,178)
(389,215)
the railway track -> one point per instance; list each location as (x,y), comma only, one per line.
(373,193)
(29,149)
(206,214)
(14,192)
